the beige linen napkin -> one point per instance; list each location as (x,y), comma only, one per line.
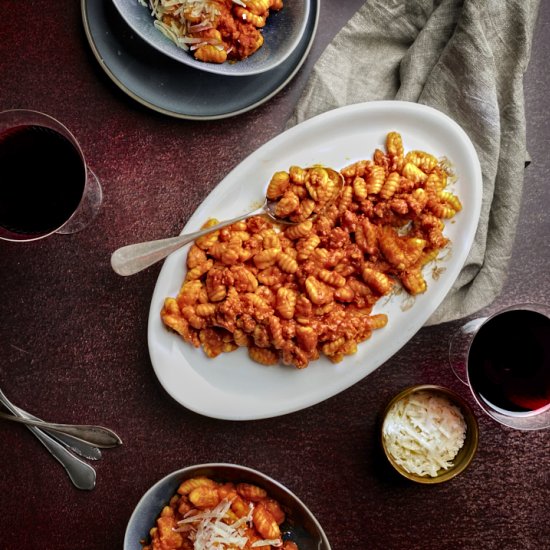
(467,59)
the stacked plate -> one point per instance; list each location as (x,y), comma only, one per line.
(155,72)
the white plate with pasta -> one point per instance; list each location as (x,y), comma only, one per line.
(232,386)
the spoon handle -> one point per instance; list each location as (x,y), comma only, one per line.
(81,474)
(133,258)
(78,446)
(95,435)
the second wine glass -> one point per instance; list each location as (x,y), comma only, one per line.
(45,185)
(505,361)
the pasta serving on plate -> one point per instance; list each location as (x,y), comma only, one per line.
(214,31)
(292,293)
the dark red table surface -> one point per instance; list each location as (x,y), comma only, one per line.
(73,333)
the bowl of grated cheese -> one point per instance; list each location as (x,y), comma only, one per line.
(222,506)
(429,433)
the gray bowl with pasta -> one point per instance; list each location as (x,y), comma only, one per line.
(298,527)
(186,33)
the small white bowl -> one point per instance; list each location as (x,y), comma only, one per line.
(282,34)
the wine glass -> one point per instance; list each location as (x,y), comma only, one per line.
(45,184)
(505,361)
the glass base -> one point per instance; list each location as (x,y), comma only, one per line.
(88,208)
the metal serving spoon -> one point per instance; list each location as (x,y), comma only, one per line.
(94,435)
(81,474)
(133,258)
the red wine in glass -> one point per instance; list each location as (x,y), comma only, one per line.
(509,361)
(42,180)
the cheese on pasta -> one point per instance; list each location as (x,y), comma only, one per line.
(209,529)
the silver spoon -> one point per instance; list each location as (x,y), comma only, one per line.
(78,446)
(133,258)
(81,474)
(95,435)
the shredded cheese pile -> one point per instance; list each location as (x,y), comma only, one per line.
(209,529)
(178,29)
(424,432)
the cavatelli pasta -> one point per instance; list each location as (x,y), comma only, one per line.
(293,292)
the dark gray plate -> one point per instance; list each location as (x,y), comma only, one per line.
(282,33)
(174,89)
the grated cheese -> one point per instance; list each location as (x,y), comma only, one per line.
(179,29)
(210,529)
(424,432)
